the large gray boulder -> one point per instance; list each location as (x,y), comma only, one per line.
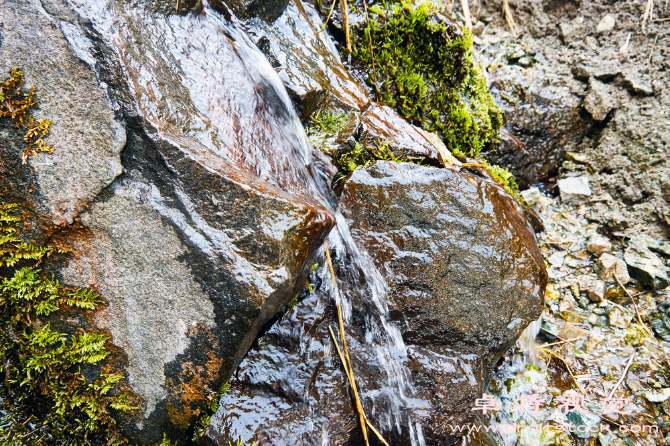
(464,278)
(181,180)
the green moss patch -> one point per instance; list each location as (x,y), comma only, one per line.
(54,386)
(363,155)
(44,396)
(425,70)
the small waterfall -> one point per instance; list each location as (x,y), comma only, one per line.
(527,344)
(382,338)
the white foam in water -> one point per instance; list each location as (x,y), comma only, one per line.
(382,338)
(526,342)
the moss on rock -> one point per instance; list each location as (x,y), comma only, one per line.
(55,387)
(424,68)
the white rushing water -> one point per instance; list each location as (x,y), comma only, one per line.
(200,82)
(383,339)
(527,344)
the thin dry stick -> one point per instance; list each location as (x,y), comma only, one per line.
(329,13)
(345,17)
(376,432)
(555,355)
(653,47)
(474,165)
(556,343)
(510,19)
(634,305)
(466,13)
(623,375)
(662,20)
(624,48)
(648,12)
(557,336)
(372,55)
(339,352)
(349,372)
(347,363)
(176,8)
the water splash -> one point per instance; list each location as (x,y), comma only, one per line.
(527,344)
(393,402)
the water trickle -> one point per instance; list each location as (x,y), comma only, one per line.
(527,344)
(390,403)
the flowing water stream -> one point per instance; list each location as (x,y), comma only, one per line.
(382,338)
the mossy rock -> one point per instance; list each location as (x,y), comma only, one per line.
(423,67)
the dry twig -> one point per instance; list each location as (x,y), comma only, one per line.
(623,375)
(653,47)
(329,14)
(466,13)
(345,18)
(648,15)
(507,12)
(556,343)
(346,360)
(555,355)
(372,55)
(634,305)
(557,336)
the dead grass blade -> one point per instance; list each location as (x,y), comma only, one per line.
(346,360)
(507,12)
(634,305)
(623,375)
(466,14)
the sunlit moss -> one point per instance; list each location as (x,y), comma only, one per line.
(16,106)
(41,369)
(425,70)
(326,123)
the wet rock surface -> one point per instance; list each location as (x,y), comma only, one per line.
(213,223)
(464,274)
(307,60)
(464,278)
(604,331)
(542,122)
(447,240)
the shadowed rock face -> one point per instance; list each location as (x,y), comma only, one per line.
(541,124)
(464,279)
(213,223)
